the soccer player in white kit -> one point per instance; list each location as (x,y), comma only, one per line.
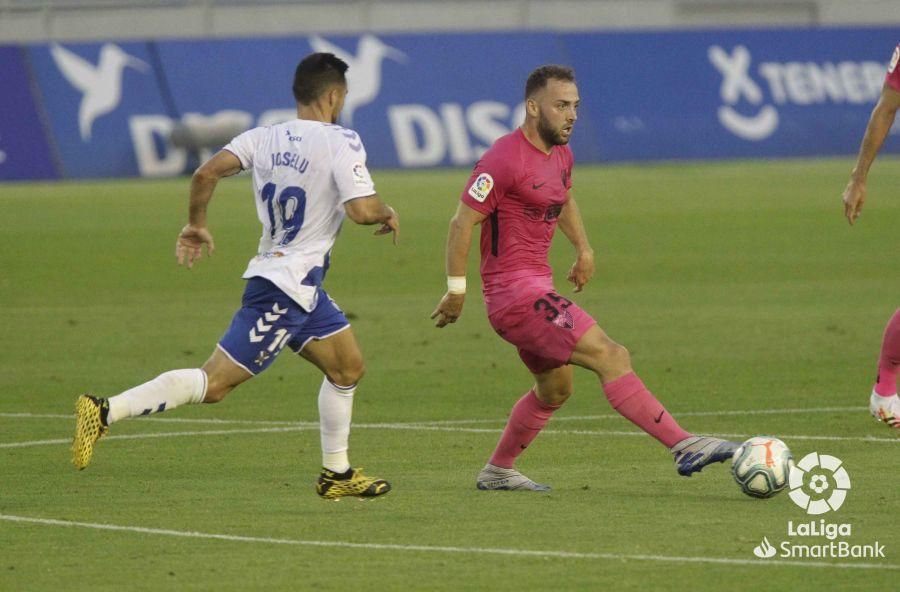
(308,174)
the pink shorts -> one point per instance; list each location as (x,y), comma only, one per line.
(544,326)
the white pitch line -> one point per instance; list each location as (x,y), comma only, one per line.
(298,428)
(213,421)
(294,428)
(872,439)
(674,414)
(423,428)
(445,549)
(773,411)
(450,422)
(434,428)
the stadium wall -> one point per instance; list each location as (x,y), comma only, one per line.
(88,110)
(32,21)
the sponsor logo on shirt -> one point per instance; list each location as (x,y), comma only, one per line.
(547,214)
(269,255)
(359,174)
(481,188)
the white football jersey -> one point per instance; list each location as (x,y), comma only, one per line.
(303,174)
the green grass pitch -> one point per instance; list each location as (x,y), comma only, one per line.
(749,305)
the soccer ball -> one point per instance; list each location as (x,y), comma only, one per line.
(762,466)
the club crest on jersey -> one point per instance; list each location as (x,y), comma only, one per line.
(481,188)
(359,174)
(565,320)
(894,59)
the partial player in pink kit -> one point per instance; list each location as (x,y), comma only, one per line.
(519,193)
(883,402)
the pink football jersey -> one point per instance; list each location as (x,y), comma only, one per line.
(522,191)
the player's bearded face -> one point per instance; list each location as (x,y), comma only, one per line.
(550,133)
(558,112)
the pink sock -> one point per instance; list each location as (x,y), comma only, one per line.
(528,417)
(889,360)
(630,397)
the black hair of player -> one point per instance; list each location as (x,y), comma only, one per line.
(315,74)
(539,78)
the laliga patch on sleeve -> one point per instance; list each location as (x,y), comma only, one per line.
(359,174)
(481,187)
(894,60)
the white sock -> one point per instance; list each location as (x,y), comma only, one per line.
(335,409)
(166,391)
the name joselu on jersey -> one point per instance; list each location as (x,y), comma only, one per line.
(290,160)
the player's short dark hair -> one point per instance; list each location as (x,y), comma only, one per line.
(538,79)
(315,73)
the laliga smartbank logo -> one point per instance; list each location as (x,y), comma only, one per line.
(818,484)
(764,550)
(824,477)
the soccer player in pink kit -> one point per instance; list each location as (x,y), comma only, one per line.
(519,192)
(883,403)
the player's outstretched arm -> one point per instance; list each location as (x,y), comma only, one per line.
(458,240)
(572,226)
(880,123)
(189,245)
(371,210)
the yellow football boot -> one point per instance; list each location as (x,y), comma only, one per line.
(332,485)
(90,426)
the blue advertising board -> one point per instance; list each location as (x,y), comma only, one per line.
(420,102)
(91,92)
(414,103)
(24,148)
(730,93)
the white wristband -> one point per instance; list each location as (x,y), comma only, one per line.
(456,284)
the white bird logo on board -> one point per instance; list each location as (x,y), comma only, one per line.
(364,75)
(100,85)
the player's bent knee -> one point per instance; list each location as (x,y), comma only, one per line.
(217,387)
(215,392)
(611,358)
(618,355)
(349,374)
(222,376)
(555,397)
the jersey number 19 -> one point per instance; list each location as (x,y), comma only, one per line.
(286,212)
